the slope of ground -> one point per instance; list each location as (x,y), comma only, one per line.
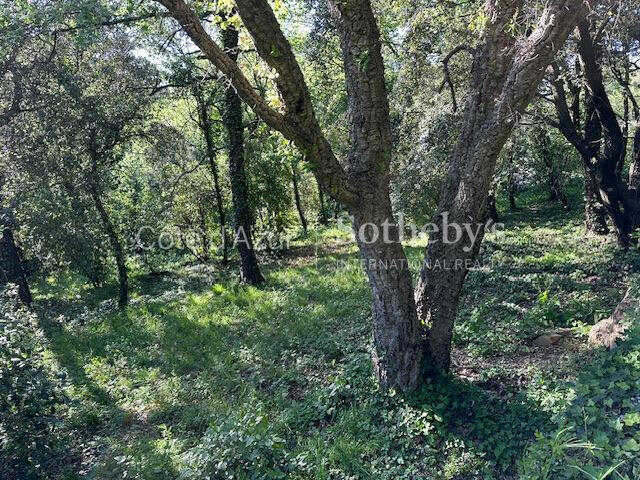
(203,378)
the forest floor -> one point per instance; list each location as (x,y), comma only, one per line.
(202,376)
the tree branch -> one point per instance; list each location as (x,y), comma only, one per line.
(299,124)
(447,74)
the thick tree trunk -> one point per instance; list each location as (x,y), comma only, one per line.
(233,122)
(594,212)
(617,205)
(296,195)
(448,257)
(11,269)
(116,246)
(397,333)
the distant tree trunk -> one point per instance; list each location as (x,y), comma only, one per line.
(205,125)
(204,233)
(554,170)
(11,269)
(587,142)
(492,211)
(114,240)
(512,199)
(234,125)
(296,194)
(556,189)
(634,169)
(322,216)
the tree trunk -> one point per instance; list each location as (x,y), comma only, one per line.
(616,204)
(116,245)
(605,165)
(322,216)
(296,194)
(11,269)
(233,122)
(512,199)
(492,211)
(398,348)
(554,171)
(634,169)
(505,78)
(594,212)
(205,125)
(588,144)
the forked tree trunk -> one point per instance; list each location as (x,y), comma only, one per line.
(243,221)
(116,245)
(505,79)
(11,269)
(604,164)
(296,195)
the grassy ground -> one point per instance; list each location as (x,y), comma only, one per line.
(202,376)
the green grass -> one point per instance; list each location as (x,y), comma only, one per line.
(276,382)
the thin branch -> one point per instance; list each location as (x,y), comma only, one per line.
(447,74)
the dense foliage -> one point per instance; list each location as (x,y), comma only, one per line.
(30,396)
(179,186)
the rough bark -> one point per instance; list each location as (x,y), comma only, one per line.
(398,352)
(505,77)
(595,214)
(243,218)
(11,269)
(296,195)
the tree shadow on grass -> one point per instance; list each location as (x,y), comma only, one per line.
(97,413)
(495,428)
